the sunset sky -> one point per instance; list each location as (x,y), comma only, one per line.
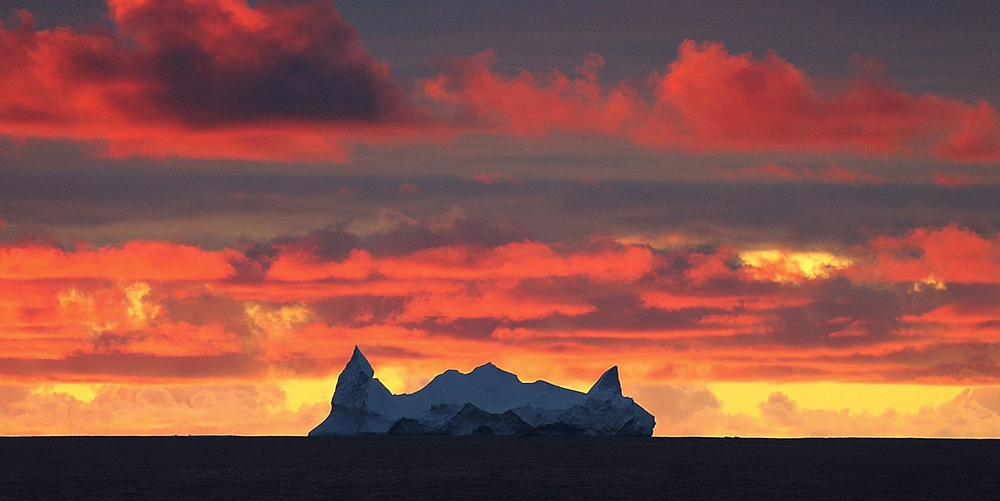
(777,218)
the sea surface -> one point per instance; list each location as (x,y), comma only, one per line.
(442,468)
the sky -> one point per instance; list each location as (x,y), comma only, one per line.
(777,218)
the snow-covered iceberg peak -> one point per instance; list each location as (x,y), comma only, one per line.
(353,383)
(486,401)
(607,386)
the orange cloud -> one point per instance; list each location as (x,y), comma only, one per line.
(949,254)
(522,260)
(136,260)
(915,308)
(710,100)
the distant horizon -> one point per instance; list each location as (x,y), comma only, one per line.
(777,220)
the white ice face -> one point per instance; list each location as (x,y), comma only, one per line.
(487,400)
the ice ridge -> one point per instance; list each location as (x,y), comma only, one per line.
(486,401)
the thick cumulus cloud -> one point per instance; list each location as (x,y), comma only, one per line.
(202,78)
(711,100)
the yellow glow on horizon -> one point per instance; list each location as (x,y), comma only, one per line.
(299,392)
(856,397)
(734,397)
(80,391)
(782,266)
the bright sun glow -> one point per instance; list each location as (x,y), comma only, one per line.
(782,266)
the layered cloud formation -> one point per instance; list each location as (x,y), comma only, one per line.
(909,309)
(219,78)
(906,309)
(725,221)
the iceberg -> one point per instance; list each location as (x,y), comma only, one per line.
(486,401)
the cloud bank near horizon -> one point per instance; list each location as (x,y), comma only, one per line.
(914,308)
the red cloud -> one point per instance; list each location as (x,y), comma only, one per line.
(710,100)
(834,174)
(218,78)
(949,254)
(533,106)
(494,178)
(518,260)
(200,78)
(958,179)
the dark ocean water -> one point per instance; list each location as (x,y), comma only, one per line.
(414,468)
